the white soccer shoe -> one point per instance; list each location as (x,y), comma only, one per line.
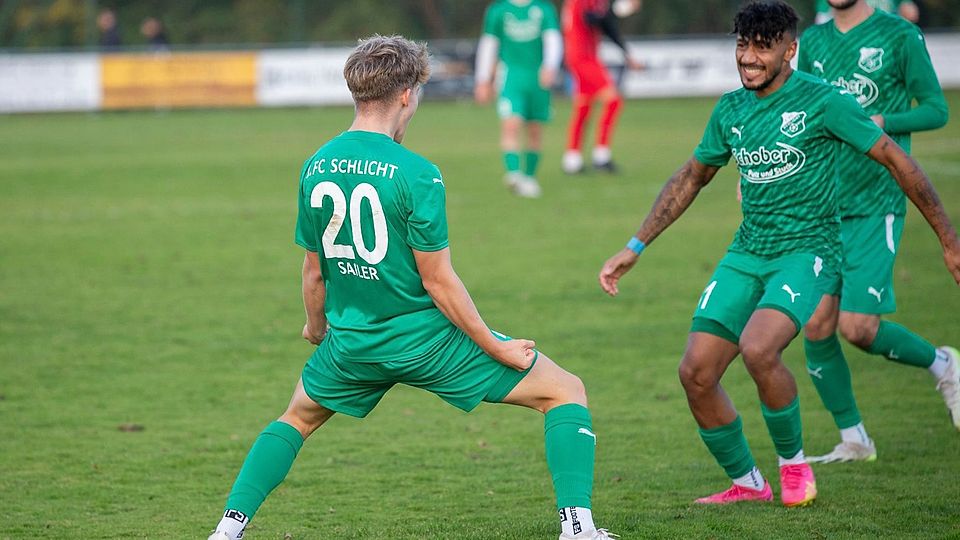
(847,451)
(219,535)
(572,162)
(949,385)
(523,185)
(596,534)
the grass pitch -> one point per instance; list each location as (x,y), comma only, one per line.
(150,320)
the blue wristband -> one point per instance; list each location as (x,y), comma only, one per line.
(635,245)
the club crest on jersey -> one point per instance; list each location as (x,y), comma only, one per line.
(871,59)
(792,123)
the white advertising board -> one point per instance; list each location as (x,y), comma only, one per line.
(302,77)
(49,82)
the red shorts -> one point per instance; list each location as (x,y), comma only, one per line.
(589,77)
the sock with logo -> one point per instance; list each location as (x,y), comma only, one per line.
(570,443)
(608,121)
(233,523)
(785,428)
(511,160)
(574,520)
(578,119)
(899,344)
(531,159)
(752,480)
(729,447)
(266,466)
(856,434)
(940,364)
(831,377)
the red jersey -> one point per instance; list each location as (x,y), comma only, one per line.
(580,38)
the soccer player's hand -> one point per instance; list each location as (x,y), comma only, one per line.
(951,257)
(312,335)
(482,92)
(516,353)
(547,78)
(615,268)
(635,64)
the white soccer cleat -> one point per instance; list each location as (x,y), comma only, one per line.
(219,535)
(847,451)
(572,162)
(596,534)
(527,186)
(949,384)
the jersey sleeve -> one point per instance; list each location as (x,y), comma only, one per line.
(551,21)
(426,201)
(922,85)
(306,231)
(713,150)
(491,22)
(846,120)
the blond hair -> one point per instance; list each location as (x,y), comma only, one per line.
(383,66)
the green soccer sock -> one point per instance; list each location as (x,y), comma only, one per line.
(511,160)
(785,429)
(831,377)
(570,446)
(730,448)
(266,466)
(903,346)
(531,160)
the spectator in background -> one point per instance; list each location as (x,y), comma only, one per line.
(152,29)
(109,32)
(905,8)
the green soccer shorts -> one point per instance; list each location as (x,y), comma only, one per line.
(456,370)
(870,245)
(524,97)
(742,283)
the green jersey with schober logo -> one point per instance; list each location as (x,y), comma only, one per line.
(784,145)
(519,29)
(883,62)
(365,203)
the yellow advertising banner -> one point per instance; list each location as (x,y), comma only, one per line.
(165,80)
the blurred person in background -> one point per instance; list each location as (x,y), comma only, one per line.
(153,31)
(109,31)
(524,35)
(905,8)
(584,22)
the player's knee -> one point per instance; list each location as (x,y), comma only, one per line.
(857,332)
(695,378)
(572,390)
(757,355)
(819,328)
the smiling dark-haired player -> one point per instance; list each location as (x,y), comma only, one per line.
(783,129)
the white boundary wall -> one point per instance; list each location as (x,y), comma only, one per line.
(313,76)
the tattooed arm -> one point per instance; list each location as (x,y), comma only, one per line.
(916,185)
(675,197)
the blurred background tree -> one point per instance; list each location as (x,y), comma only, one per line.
(32,24)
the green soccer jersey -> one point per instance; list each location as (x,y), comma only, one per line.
(519,29)
(884,63)
(365,204)
(784,145)
(890,6)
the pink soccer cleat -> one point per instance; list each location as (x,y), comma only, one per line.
(798,487)
(737,494)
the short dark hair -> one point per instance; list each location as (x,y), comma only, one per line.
(766,21)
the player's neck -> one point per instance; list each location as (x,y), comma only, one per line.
(847,19)
(375,124)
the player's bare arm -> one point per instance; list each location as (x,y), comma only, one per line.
(916,185)
(675,197)
(451,297)
(314,295)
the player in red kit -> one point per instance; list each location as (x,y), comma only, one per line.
(584,21)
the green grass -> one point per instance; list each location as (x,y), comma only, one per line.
(148,276)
